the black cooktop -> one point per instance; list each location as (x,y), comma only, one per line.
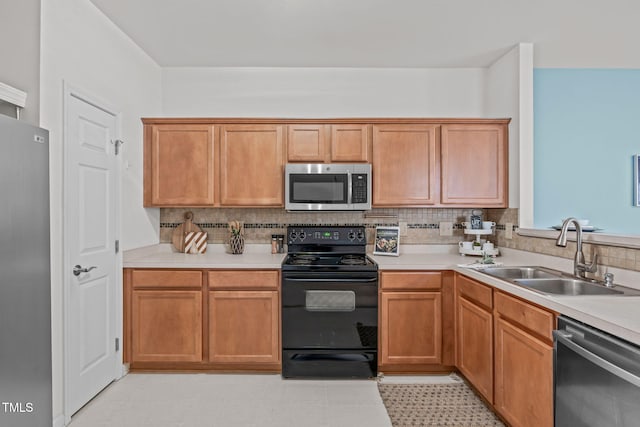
(335,248)
(304,262)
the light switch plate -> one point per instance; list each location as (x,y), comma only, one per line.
(508,230)
(446,229)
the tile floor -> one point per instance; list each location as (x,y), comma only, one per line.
(226,400)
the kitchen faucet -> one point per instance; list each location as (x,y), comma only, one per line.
(579,265)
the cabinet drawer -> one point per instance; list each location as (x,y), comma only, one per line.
(475,291)
(166,279)
(536,320)
(411,280)
(239,279)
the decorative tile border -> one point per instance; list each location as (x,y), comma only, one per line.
(172,225)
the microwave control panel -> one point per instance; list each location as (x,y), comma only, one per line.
(359,188)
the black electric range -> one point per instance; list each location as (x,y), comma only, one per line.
(329,304)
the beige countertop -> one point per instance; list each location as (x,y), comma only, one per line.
(614,314)
(165,256)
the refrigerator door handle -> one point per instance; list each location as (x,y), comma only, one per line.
(78,269)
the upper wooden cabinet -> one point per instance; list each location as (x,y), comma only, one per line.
(405,165)
(323,143)
(306,143)
(179,165)
(205,165)
(251,165)
(350,143)
(474,165)
(240,162)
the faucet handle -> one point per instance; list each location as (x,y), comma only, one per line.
(593,267)
(588,268)
(608,280)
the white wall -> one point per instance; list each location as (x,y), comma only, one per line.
(20,53)
(322,92)
(81,47)
(509,93)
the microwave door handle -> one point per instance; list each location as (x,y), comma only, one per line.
(349,187)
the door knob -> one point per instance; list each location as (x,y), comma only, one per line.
(78,269)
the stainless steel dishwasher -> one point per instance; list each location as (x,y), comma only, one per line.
(596,377)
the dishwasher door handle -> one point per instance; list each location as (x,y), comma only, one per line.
(565,338)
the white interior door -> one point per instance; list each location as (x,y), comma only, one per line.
(90,211)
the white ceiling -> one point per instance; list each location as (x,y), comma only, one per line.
(379,33)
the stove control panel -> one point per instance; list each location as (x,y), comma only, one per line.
(327,235)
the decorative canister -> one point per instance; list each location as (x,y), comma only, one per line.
(476,219)
(236,244)
(236,240)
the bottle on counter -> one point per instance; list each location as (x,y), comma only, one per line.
(280,245)
(274,244)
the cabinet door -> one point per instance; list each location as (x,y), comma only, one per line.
(474,165)
(404,165)
(349,143)
(523,377)
(243,327)
(475,346)
(252,165)
(166,326)
(411,328)
(179,165)
(306,143)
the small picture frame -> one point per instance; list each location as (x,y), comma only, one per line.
(636,180)
(387,241)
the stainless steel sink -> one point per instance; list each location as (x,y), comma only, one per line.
(565,286)
(553,282)
(521,272)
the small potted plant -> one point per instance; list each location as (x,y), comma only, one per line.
(477,246)
(236,239)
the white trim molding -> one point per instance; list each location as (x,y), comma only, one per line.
(12,95)
(596,238)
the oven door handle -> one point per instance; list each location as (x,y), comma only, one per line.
(565,338)
(344,279)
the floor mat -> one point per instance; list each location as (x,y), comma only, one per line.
(436,405)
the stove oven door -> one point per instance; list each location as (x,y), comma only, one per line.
(324,311)
(329,325)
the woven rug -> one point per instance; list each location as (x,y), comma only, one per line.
(435,405)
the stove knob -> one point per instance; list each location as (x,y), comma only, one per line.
(351,235)
(303,235)
(293,235)
(360,235)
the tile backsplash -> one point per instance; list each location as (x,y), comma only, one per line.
(423,227)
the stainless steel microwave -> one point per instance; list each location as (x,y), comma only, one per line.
(327,187)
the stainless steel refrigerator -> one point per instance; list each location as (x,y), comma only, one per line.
(25,279)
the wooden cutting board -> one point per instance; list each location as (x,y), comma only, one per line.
(178,233)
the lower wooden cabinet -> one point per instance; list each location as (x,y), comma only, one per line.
(475,346)
(166,326)
(523,362)
(243,326)
(412,328)
(416,321)
(505,350)
(474,334)
(524,377)
(202,319)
